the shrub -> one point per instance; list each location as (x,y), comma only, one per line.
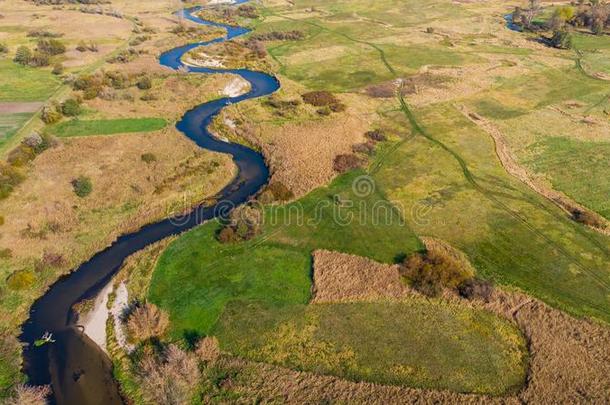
(9,178)
(147,322)
(52,259)
(430,30)
(475,288)
(170,379)
(39,59)
(320,98)
(561,40)
(346,162)
(432,271)
(208,349)
(50,114)
(3,48)
(280,191)
(58,69)
(366,148)
(21,280)
(376,135)
(383,90)
(586,218)
(6,253)
(51,46)
(30,395)
(148,158)
(82,186)
(71,107)
(23,55)
(144,83)
(81,47)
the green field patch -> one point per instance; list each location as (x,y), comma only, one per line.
(10,124)
(511,234)
(417,343)
(197,276)
(579,169)
(493,109)
(105,127)
(21,83)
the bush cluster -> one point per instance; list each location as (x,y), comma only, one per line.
(275,191)
(31,146)
(294,35)
(98,84)
(45,50)
(347,162)
(244,223)
(325,99)
(431,272)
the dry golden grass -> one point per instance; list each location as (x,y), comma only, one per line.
(339,277)
(570,358)
(174,95)
(300,148)
(108,32)
(274,384)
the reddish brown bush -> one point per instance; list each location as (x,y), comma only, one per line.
(432,271)
(476,289)
(319,98)
(586,218)
(376,135)
(346,162)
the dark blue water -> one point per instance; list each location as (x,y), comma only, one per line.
(77,369)
(510,24)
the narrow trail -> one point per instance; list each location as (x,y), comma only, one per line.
(491,195)
(79,372)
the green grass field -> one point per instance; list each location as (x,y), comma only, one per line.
(24,83)
(105,127)
(492,217)
(10,124)
(417,343)
(244,292)
(581,179)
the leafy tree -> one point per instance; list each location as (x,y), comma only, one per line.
(50,114)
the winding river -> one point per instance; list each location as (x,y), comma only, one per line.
(79,372)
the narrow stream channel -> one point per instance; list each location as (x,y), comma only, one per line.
(80,373)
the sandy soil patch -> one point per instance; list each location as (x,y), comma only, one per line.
(94,322)
(237,87)
(340,277)
(14,108)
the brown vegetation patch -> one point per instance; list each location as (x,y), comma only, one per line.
(274,383)
(340,277)
(570,360)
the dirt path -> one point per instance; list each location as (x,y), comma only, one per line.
(510,164)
